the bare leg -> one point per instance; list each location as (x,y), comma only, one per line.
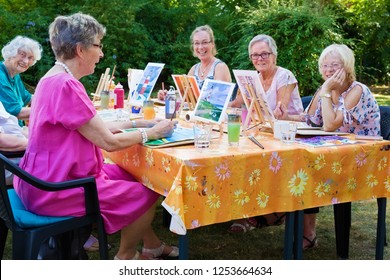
(151,241)
(309,228)
(133,233)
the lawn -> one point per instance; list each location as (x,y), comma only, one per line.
(215,243)
(382,95)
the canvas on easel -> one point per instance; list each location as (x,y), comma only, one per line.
(254,98)
(133,79)
(146,84)
(213,101)
(188,90)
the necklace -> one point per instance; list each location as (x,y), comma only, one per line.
(65,67)
(267,82)
(204,70)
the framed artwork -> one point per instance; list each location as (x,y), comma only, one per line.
(213,101)
(254,95)
(134,76)
(146,84)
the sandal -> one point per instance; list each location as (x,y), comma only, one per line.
(312,243)
(136,257)
(159,252)
(243,226)
(261,221)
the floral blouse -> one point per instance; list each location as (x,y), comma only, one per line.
(363,119)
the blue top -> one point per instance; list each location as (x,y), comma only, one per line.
(13,93)
(210,74)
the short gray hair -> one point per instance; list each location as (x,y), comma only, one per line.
(23,44)
(266,39)
(66,32)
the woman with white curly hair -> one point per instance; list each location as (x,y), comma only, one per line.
(19,55)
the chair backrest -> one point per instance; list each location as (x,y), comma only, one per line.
(6,213)
(306,100)
(385,121)
(42,226)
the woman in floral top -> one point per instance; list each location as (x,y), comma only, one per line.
(340,104)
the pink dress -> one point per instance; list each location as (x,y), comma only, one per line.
(57,151)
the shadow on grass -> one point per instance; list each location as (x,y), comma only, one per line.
(215,243)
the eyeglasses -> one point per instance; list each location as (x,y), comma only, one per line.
(331,66)
(203,44)
(100,46)
(256,56)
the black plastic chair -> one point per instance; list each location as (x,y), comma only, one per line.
(27,240)
(306,100)
(342,211)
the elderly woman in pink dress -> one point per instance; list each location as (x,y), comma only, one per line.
(66,138)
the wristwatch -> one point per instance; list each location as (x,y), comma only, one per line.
(326,94)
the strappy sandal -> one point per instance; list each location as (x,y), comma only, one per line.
(312,243)
(159,252)
(261,221)
(243,226)
(136,256)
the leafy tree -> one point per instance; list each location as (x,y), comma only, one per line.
(371,20)
(300,32)
(140,31)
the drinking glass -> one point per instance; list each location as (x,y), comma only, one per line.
(288,131)
(148,108)
(234,128)
(202,135)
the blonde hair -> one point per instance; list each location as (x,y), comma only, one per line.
(209,31)
(345,54)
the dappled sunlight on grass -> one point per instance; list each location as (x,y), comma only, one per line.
(382,95)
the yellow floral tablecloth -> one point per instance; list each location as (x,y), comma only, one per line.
(225,183)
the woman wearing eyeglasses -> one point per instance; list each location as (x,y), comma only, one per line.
(340,104)
(280,84)
(281,89)
(19,55)
(209,67)
(67,136)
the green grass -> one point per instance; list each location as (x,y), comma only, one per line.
(382,95)
(215,243)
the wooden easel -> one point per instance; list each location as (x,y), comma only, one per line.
(257,110)
(188,94)
(103,83)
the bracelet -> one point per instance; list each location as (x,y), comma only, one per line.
(143,135)
(133,124)
(326,94)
